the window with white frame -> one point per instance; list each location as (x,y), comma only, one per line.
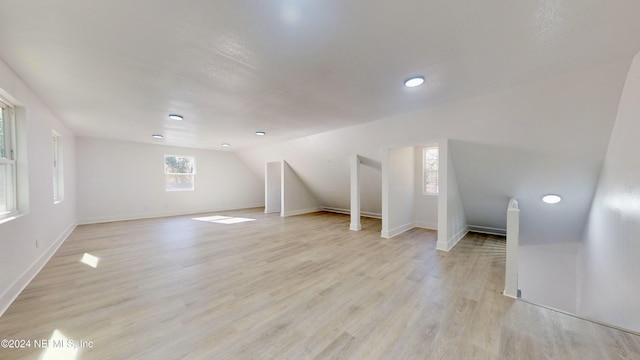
(430,167)
(179,173)
(57,168)
(8,190)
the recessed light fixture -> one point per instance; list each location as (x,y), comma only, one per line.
(261,133)
(224,145)
(157,136)
(414,81)
(551,199)
(176,117)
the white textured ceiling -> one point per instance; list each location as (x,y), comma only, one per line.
(116,69)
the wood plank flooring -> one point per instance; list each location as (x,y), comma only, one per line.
(303,287)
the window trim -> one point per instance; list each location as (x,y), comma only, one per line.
(58,173)
(192,173)
(10,158)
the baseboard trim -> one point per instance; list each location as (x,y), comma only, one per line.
(426,225)
(271,211)
(300,212)
(10,295)
(388,234)
(106,219)
(348,212)
(453,241)
(487,230)
(629,331)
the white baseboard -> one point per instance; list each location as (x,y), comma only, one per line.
(487,230)
(452,241)
(355,227)
(300,212)
(25,278)
(388,234)
(348,212)
(426,225)
(105,219)
(271,211)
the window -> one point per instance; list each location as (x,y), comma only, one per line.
(430,169)
(179,173)
(7,161)
(57,169)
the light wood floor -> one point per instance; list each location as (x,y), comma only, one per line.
(294,288)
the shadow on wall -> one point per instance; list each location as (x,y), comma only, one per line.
(370,186)
(489,175)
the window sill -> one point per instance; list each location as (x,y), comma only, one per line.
(11,217)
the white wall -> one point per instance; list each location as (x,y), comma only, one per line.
(452,227)
(370,187)
(547,136)
(273,187)
(398,191)
(27,242)
(547,274)
(296,198)
(609,261)
(124,180)
(426,206)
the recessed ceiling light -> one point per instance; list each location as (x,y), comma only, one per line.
(176,117)
(414,81)
(225,145)
(157,136)
(551,199)
(261,133)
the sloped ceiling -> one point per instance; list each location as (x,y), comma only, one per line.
(291,68)
(546,136)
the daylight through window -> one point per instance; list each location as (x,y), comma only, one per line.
(7,161)
(430,157)
(179,173)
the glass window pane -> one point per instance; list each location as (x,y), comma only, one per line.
(179,165)
(7,199)
(431,182)
(432,188)
(430,168)
(431,165)
(3,188)
(2,135)
(180,182)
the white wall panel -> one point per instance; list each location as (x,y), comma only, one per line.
(124,180)
(608,264)
(27,242)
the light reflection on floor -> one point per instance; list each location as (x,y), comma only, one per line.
(59,347)
(223,219)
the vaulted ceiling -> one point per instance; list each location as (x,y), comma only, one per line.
(290,67)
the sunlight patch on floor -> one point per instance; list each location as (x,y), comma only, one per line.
(90,260)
